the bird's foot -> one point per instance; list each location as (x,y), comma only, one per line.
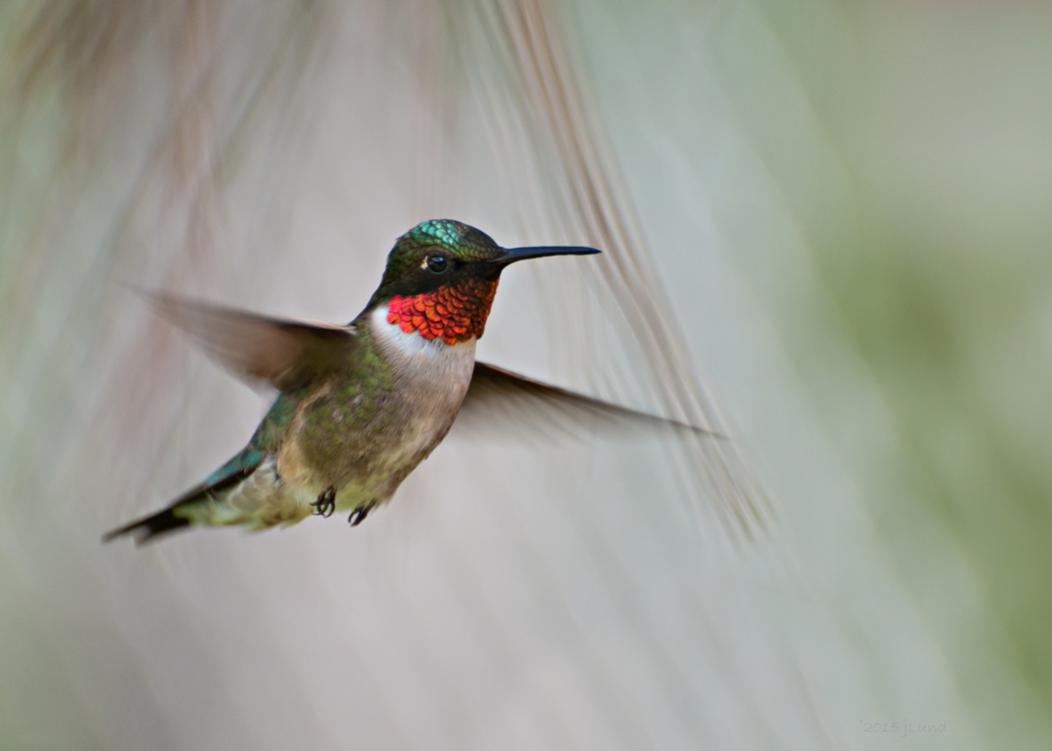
(358,515)
(326,503)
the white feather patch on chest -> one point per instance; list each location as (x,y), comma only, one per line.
(434,375)
(431,359)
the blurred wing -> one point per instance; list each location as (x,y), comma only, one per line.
(511,403)
(285,354)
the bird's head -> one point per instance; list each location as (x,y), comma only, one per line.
(441,277)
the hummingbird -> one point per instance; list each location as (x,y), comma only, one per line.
(361,405)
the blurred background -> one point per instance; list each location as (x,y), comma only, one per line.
(826,233)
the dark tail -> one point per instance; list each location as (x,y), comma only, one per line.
(150,527)
(166,521)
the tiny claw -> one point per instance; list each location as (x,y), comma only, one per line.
(326,503)
(358,515)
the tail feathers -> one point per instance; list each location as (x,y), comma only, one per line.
(150,527)
(167,520)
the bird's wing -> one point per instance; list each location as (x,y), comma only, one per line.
(286,354)
(531,406)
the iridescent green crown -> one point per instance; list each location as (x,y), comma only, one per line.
(458,238)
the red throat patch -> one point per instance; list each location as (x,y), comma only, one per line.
(452,314)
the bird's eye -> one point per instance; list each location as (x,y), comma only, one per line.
(437,263)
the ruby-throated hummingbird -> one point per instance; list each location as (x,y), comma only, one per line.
(361,405)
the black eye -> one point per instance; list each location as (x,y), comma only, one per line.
(437,262)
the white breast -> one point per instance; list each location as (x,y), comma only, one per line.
(434,374)
(444,365)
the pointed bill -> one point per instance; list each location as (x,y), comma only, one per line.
(511,255)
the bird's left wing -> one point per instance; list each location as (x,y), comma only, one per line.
(286,354)
(534,406)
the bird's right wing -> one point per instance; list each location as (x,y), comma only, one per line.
(503,404)
(532,406)
(285,354)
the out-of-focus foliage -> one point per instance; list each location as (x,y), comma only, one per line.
(835,212)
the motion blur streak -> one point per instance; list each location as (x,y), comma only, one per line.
(835,216)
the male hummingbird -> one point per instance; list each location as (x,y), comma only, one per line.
(361,405)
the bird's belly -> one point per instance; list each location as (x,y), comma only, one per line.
(365,460)
(396,448)
(394,460)
(261,500)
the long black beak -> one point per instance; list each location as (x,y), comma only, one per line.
(511,255)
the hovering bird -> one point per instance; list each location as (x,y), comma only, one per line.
(361,405)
